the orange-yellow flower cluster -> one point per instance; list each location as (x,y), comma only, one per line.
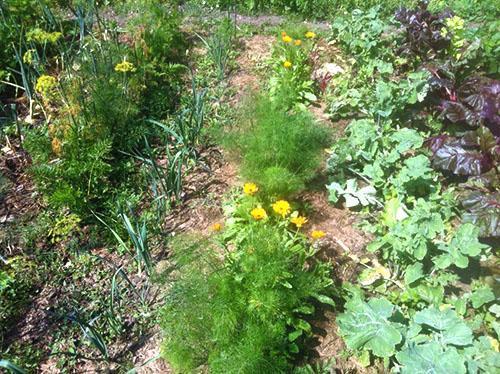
(317,234)
(310,35)
(282,207)
(250,189)
(216,227)
(258,214)
(299,221)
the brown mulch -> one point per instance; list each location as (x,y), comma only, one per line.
(255,50)
(203,195)
(17,202)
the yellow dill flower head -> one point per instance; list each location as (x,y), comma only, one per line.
(28,56)
(41,36)
(45,84)
(298,42)
(56,146)
(124,67)
(299,221)
(287,64)
(258,213)
(250,189)
(282,207)
(455,23)
(287,39)
(217,227)
(310,35)
(317,234)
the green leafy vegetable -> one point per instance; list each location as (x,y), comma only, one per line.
(367,325)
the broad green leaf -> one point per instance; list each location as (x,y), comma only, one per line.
(325,299)
(483,356)
(482,296)
(352,195)
(394,211)
(452,329)
(367,326)
(495,310)
(406,139)
(430,358)
(309,96)
(294,335)
(464,244)
(414,272)
(466,240)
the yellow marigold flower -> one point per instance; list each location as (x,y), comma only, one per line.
(317,234)
(45,84)
(258,213)
(124,67)
(310,35)
(297,42)
(250,189)
(216,227)
(299,221)
(56,146)
(287,64)
(282,207)
(287,39)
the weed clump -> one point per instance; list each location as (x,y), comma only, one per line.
(279,149)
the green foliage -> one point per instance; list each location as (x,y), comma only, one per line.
(353,195)
(471,10)
(363,34)
(18,277)
(431,340)
(367,326)
(422,247)
(77,158)
(161,48)
(291,82)
(81,160)
(63,227)
(219,46)
(311,8)
(245,309)
(280,151)
(430,357)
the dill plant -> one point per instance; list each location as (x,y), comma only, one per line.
(243,311)
(280,150)
(81,160)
